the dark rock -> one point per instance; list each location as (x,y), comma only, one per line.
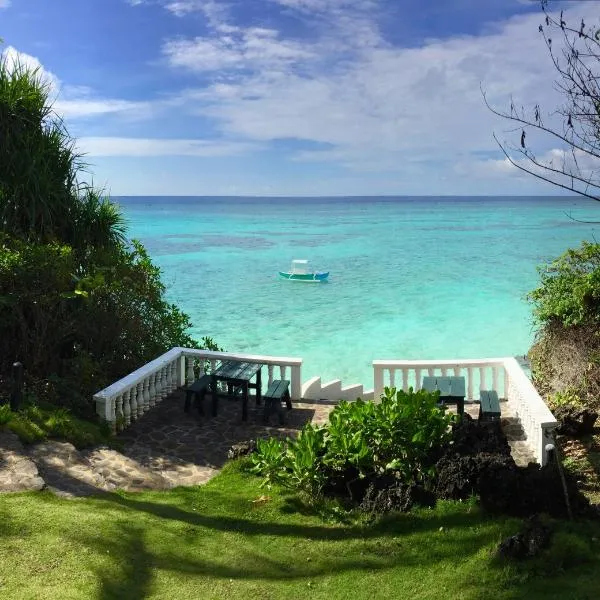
(461,476)
(395,497)
(479,463)
(241,449)
(575,421)
(528,543)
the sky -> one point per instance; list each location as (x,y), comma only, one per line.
(291,97)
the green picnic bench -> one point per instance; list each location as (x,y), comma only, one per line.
(489,406)
(276,395)
(198,390)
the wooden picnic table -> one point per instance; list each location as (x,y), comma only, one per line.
(451,388)
(237,375)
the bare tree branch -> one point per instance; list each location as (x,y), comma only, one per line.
(575,54)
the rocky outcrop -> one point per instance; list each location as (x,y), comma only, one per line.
(18,473)
(575,421)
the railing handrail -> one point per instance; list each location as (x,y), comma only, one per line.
(134,377)
(254,358)
(541,409)
(456,362)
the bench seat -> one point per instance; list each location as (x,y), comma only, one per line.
(489,407)
(198,390)
(276,395)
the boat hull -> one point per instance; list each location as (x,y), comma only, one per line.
(305,277)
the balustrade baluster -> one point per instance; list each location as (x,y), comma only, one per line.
(119,411)
(392,378)
(146,396)
(282,369)
(495,379)
(136,398)
(127,406)
(172,376)
(470,383)
(405,380)
(152,390)
(270,374)
(417,379)
(190,370)
(482,385)
(430,371)
(164,391)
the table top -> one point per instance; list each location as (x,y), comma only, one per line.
(233,369)
(448,386)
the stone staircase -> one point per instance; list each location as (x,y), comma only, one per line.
(68,472)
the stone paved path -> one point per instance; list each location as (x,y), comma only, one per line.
(164,449)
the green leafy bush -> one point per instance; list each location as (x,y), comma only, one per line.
(401,436)
(568,397)
(36,423)
(569,291)
(80,305)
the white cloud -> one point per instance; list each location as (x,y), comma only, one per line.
(83,107)
(73,102)
(4,3)
(139,147)
(377,106)
(579,163)
(15,59)
(251,48)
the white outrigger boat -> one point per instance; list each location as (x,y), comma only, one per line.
(300,271)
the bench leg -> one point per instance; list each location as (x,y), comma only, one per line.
(188,401)
(200,401)
(280,412)
(245,402)
(288,401)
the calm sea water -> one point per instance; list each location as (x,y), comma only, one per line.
(410,278)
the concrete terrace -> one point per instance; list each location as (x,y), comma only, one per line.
(167,447)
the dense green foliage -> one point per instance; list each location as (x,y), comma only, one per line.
(225,540)
(569,290)
(565,357)
(35,423)
(400,435)
(80,305)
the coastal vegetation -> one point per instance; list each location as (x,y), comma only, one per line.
(80,304)
(398,439)
(565,356)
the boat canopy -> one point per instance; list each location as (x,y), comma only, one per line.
(299,267)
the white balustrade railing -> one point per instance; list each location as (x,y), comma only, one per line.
(535,417)
(503,375)
(129,398)
(479,374)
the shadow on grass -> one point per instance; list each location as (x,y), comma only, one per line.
(397,525)
(130,576)
(270,551)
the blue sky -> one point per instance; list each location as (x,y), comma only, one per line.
(289,97)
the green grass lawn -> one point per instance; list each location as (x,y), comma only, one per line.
(217,541)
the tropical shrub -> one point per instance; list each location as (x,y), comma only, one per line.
(401,437)
(569,290)
(80,305)
(566,307)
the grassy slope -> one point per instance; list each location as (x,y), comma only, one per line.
(215,542)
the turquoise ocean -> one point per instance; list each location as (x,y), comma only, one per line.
(410,278)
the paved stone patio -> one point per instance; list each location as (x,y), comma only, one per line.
(166,448)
